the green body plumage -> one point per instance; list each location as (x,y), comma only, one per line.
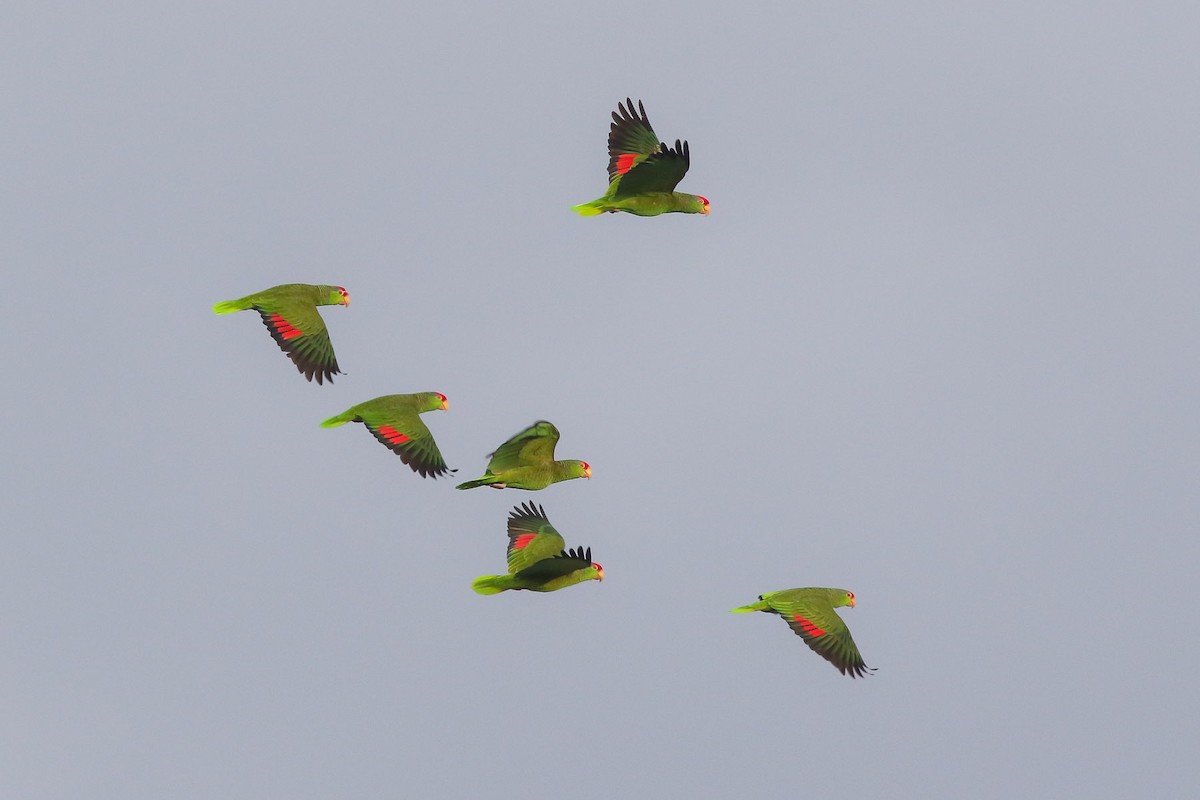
(809,612)
(644,205)
(642,171)
(537,561)
(290,313)
(395,422)
(526,461)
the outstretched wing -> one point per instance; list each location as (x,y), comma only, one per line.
(631,140)
(531,447)
(408,437)
(823,630)
(300,332)
(659,172)
(531,537)
(556,566)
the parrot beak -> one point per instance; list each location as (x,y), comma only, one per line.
(600,574)
(346,299)
(445,405)
(587,473)
(853,602)
(705,211)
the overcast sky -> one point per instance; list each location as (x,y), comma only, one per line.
(936,344)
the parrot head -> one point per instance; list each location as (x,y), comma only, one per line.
(849,599)
(599,572)
(432,401)
(703,205)
(337,296)
(585,469)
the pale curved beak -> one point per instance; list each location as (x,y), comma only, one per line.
(445,405)
(853,602)
(587,473)
(704,211)
(346,299)
(600,574)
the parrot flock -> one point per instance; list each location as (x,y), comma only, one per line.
(643,173)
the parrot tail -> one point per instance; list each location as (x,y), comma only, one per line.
(229,306)
(761,605)
(340,419)
(588,209)
(492,584)
(485,481)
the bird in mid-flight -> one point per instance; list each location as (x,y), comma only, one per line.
(536,558)
(526,461)
(394,420)
(642,171)
(290,313)
(811,616)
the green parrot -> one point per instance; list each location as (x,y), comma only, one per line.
(526,461)
(393,420)
(811,616)
(290,313)
(536,558)
(642,171)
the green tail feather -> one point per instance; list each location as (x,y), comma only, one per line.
(476,483)
(588,209)
(340,419)
(492,584)
(761,605)
(229,306)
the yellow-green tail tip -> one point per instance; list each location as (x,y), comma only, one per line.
(490,584)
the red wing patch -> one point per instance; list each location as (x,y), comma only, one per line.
(522,541)
(625,162)
(284,328)
(807,626)
(392,435)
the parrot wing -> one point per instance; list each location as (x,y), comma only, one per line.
(556,566)
(531,537)
(530,447)
(659,172)
(300,332)
(631,140)
(823,630)
(408,437)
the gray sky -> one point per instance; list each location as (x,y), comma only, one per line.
(936,344)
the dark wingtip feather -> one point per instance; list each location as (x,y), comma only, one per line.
(577,552)
(528,511)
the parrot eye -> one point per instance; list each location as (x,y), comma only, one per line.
(587,465)
(850,594)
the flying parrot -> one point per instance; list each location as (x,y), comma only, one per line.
(290,313)
(642,171)
(393,420)
(526,461)
(536,558)
(811,616)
